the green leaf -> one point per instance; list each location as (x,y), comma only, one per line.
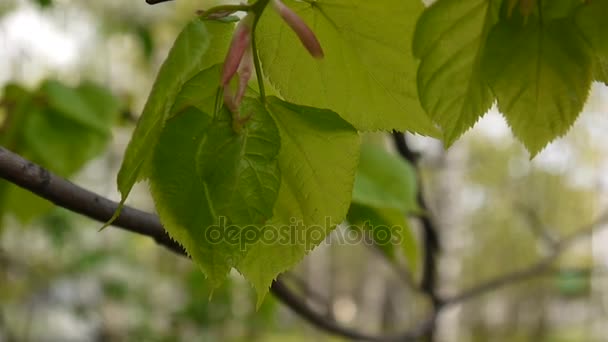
(318,158)
(367,74)
(389,228)
(198,93)
(600,70)
(20,103)
(449,39)
(591,20)
(67,102)
(47,134)
(49,137)
(385,181)
(198,47)
(213,187)
(104,105)
(540,72)
(240,172)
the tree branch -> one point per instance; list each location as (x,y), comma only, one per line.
(66,194)
(430,237)
(154,2)
(429,228)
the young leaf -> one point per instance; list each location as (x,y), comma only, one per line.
(540,72)
(591,19)
(190,54)
(213,187)
(449,39)
(385,181)
(367,74)
(318,158)
(389,228)
(240,172)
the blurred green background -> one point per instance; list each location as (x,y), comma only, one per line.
(62,280)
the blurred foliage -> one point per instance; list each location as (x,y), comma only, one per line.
(57,126)
(62,273)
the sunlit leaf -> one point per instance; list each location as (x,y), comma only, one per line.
(211,185)
(368,72)
(318,158)
(449,39)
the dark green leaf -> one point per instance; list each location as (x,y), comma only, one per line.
(591,19)
(540,72)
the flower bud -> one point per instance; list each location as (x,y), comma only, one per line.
(307,37)
(245,71)
(241,40)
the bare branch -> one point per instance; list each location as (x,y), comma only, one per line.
(429,227)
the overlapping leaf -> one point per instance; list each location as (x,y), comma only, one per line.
(210,185)
(199,46)
(367,74)
(540,72)
(450,37)
(318,158)
(385,191)
(591,19)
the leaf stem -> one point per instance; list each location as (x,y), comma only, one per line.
(258,9)
(258,69)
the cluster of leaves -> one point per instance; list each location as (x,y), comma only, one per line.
(57,126)
(287,175)
(536,59)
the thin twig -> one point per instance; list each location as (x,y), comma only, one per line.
(537,227)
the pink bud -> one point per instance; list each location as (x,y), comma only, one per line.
(240,41)
(245,70)
(307,37)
